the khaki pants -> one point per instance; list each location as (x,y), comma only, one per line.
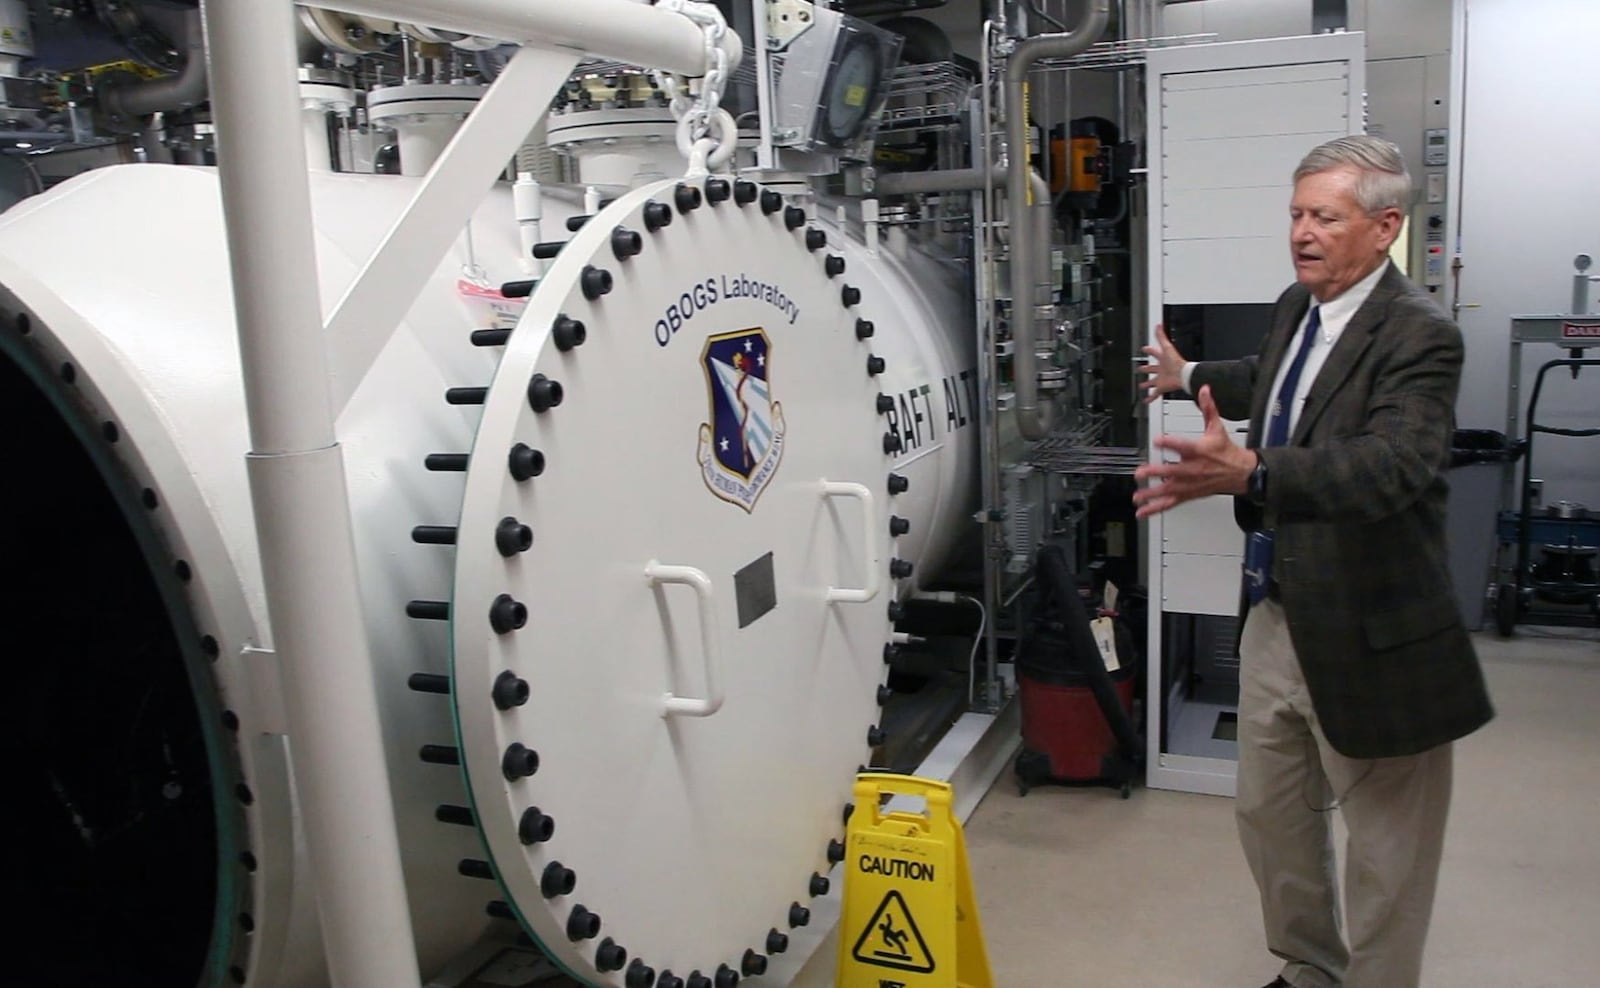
(1290,779)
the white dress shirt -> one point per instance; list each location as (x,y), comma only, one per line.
(1336,315)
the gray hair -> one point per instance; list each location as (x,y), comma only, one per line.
(1383,183)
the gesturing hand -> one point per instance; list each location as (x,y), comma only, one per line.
(1165,370)
(1211,464)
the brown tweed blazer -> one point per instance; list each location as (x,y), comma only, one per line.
(1357,502)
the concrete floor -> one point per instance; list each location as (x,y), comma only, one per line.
(1077,887)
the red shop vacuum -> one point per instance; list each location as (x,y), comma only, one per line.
(1077,723)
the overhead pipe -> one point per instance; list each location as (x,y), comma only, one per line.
(185,89)
(623,30)
(922,183)
(951,180)
(973,180)
(1032,420)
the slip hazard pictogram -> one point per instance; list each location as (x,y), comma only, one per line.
(891,939)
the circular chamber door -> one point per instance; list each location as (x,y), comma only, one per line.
(673,586)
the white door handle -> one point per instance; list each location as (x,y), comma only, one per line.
(691,706)
(869,535)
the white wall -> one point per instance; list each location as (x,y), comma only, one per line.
(1530,202)
(1238,20)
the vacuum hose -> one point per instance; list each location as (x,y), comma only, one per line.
(1056,577)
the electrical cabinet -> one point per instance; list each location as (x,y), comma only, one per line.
(1228,123)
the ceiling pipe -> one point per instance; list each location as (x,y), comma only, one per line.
(1026,311)
(180,91)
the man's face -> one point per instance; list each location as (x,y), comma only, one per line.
(1333,241)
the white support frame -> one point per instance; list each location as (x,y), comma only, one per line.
(1164,770)
(388,286)
(296,468)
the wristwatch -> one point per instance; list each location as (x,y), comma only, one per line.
(1256,487)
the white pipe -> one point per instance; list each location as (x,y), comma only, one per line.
(300,500)
(527,201)
(869,224)
(319,154)
(624,30)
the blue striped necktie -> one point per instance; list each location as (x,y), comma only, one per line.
(1258,549)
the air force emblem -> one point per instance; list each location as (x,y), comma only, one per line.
(740,447)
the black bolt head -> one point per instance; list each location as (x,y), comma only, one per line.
(752,964)
(509,690)
(581,923)
(885,404)
(771,201)
(518,289)
(543,393)
(518,762)
(876,736)
(833,266)
(885,694)
(568,332)
(594,281)
(610,956)
(526,462)
(625,243)
(875,365)
(850,295)
(898,525)
(891,651)
(794,217)
(558,879)
(815,239)
(744,193)
(727,977)
(835,851)
(777,942)
(507,614)
(698,980)
(865,329)
(512,536)
(686,197)
(891,443)
(798,915)
(819,885)
(535,827)
(718,190)
(898,484)
(669,980)
(896,610)
(640,975)
(849,811)
(900,568)
(656,215)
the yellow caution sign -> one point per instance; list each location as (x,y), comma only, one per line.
(910,917)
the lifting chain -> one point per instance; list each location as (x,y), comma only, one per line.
(707,134)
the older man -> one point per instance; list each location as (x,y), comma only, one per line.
(1357,673)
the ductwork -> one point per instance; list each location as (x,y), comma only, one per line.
(1032,420)
(174,92)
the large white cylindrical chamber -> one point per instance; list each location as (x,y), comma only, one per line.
(627,547)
